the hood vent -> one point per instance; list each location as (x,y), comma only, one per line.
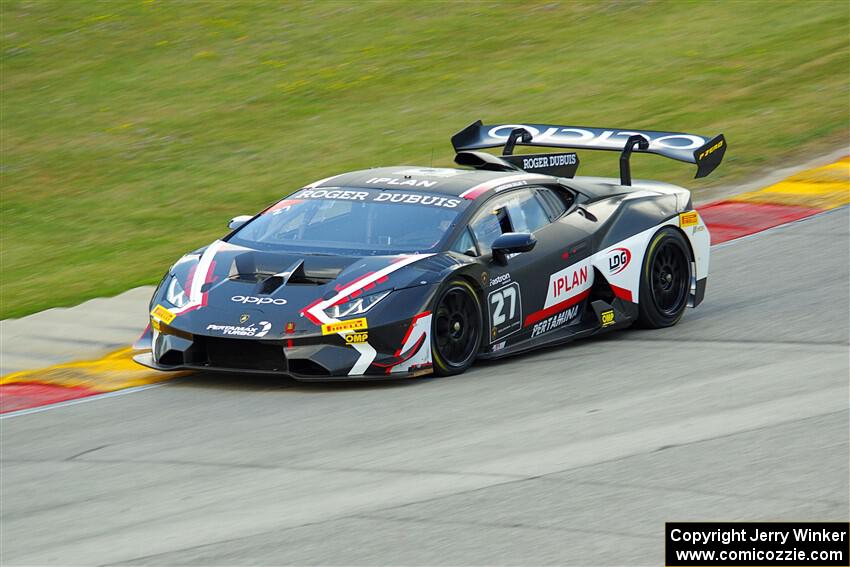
(270,284)
(294,275)
(270,271)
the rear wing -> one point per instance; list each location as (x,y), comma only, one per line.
(705,153)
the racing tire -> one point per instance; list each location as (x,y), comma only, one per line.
(665,280)
(455,328)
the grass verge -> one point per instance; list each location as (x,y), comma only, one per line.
(132,131)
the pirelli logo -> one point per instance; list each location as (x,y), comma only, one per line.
(711,150)
(163,314)
(688,219)
(359,324)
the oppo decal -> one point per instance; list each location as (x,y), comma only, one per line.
(257,300)
(612,138)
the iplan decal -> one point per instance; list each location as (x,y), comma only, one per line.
(401,182)
(261,329)
(569,282)
(555,321)
(618,259)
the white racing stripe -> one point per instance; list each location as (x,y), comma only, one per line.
(367,351)
(487,185)
(196,295)
(315,184)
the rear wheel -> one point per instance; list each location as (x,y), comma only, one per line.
(665,280)
(456,328)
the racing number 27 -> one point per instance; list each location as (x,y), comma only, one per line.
(497,304)
(505,311)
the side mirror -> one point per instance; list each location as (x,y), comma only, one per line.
(512,243)
(237,222)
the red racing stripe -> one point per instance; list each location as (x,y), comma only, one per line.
(410,330)
(557,308)
(622,292)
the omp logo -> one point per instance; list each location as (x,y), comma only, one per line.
(607,318)
(618,259)
(258,300)
(612,138)
(711,150)
(356,337)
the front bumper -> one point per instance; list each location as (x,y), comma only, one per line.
(146,359)
(310,358)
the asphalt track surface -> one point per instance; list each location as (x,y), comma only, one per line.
(572,455)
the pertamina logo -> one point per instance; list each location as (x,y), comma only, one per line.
(618,260)
(257,331)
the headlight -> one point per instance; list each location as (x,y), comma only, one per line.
(175,294)
(356,306)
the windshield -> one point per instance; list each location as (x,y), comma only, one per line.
(353,221)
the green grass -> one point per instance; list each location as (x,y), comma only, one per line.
(132,131)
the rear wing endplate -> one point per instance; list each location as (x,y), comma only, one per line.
(705,153)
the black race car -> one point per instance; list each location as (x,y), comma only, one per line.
(402,271)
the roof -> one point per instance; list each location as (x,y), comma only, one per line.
(472,183)
(447,181)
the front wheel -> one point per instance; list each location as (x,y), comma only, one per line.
(665,280)
(456,328)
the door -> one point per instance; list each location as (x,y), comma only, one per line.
(516,294)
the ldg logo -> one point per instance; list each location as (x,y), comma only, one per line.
(257,300)
(619,259)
